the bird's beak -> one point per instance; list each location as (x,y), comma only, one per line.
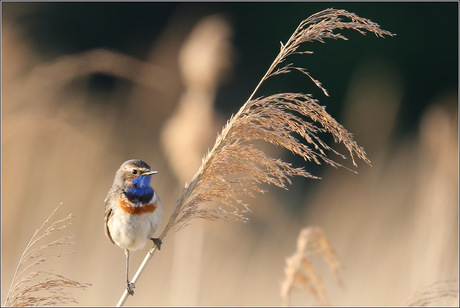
(150,172)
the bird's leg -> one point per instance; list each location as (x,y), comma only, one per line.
(129,285)
(157,242)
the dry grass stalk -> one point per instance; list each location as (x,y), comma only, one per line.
(235,167)
(299,271)
(438,294)
(32,286)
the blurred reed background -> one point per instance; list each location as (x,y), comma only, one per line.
(86,86)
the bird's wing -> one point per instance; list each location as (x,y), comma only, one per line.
(108,214)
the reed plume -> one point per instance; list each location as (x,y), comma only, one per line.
(32,286)
(235,166)
(300,272)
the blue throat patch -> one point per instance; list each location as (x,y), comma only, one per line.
(141,192)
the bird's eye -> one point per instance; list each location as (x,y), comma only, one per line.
(134,171)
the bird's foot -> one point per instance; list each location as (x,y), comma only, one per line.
(157,242)
(129,287)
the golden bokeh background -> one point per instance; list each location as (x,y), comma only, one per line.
(70,119)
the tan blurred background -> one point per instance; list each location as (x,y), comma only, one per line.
(70,118)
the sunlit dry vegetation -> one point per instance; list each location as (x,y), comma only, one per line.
(391,229)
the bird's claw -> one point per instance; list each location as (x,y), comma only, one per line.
(129,287)
(157,242)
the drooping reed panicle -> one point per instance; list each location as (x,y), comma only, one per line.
(235,167)
(300,272)
(33,286)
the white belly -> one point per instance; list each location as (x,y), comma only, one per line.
(133,231)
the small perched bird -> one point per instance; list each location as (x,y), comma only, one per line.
(132,210)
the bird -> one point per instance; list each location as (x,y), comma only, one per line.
(132,210)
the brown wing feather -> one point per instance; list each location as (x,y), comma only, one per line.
(106,225)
